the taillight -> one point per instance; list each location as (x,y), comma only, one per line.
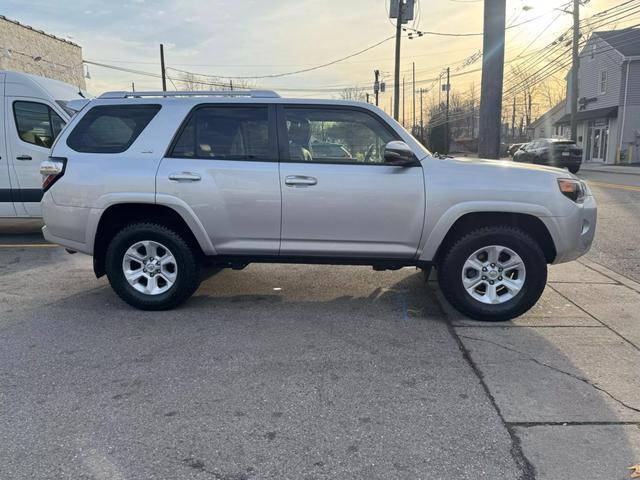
(52,170)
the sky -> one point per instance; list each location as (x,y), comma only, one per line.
(265,37)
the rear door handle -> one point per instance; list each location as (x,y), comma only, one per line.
(184,177)
(24,157)
(300,181)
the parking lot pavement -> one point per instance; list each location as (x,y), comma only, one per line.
(285,372)
(312,372)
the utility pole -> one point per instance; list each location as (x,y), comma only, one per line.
(396,85)
(404,118)
(164,72)
(447,130)
(421,113)
(133,87)
(376,84)
(574,71)
(414,95)
(513,119)
(231,84)
(492,79)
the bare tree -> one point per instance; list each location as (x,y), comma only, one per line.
(552,91)
(192,82)
(353,93)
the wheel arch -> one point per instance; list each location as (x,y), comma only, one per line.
(531,224)
(117,216)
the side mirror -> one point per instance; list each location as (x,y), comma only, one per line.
(399,154)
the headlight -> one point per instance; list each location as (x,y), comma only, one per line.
(572,189)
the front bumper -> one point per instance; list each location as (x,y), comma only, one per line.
(573,234)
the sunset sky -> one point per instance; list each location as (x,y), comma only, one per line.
(260,37)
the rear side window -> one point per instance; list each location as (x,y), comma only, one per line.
(225,133)
(110,128)
(37,123)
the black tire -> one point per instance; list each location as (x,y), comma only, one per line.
(188,273)
(453,260)
(574,168)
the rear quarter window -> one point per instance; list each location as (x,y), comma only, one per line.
(110,128)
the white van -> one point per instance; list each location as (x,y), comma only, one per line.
(33,111)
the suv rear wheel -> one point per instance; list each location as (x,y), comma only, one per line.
(493,273)
(151,267)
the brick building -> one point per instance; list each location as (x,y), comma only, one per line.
(25,49)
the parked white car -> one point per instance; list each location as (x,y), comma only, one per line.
(155,185)
(33,112)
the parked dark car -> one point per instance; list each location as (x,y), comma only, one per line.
(329,150)
(514,147)
(551,151)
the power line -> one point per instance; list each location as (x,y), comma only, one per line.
(295,72)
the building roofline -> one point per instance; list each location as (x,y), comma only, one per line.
(598,33)
(28,27)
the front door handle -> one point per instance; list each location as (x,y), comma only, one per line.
(300,181)
(24,157)
(185,177)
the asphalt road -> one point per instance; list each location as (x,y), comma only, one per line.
(618,230)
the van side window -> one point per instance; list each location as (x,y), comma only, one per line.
(37,123)
(225,133)
(110,128)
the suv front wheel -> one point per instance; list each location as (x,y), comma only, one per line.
(493,273)
(151,267)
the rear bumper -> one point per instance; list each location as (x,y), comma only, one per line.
(67,226)
(65,242)
(561,162)
(573,234)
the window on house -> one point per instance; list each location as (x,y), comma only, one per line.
(603,82)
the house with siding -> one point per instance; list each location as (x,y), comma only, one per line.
(608,98)
(547,126)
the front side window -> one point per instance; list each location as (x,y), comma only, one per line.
(37,123)
(335,135)
(225,133)
(110,128)
(603,82)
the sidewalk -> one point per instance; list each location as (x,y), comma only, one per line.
(565,376)
(633,169)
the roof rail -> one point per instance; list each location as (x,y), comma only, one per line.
(203,93)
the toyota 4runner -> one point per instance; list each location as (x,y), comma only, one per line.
(154,185)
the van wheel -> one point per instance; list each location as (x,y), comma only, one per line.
(574,168)
(493,273)
(151,267)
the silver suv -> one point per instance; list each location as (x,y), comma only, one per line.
(155,185)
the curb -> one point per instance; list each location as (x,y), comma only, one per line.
(627,282)
(636,170)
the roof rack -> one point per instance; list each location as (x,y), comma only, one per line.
(203,93)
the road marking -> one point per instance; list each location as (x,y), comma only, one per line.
(28,245)
(615,185)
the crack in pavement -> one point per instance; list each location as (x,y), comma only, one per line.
(527,470)
(570,424)
(555,369)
